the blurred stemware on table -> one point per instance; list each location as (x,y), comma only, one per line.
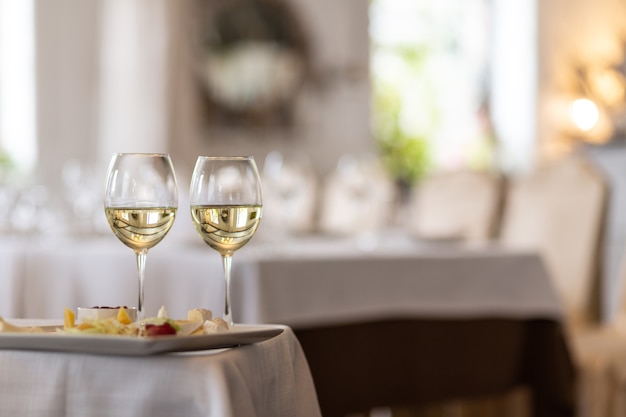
(8,195)
(141,199)
(226,207)
(29,212)
(357,199)
(81,196)
(289,195)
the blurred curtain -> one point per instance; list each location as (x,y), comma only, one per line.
(134,90)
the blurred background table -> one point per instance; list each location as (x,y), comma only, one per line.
(323,280)
(270,378)
(397,322)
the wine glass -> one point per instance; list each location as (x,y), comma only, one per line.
(140,202)
(226,207)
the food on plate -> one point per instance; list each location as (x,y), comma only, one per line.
(123,317)
(216,325)
(69,319)
(9,328)
(119,325)
(104,312)
(199,314)
(162,313)
(199,321)
(163,329)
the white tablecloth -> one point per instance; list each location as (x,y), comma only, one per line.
(319,281)
(296,282)
(269,378)
(39,277)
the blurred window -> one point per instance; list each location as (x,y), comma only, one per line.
(429,68)
(18,146)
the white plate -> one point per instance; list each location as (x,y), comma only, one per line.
(239,335)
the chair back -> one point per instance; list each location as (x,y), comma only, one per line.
(458,204)
(560,210)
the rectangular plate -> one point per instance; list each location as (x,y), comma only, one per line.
(240,334)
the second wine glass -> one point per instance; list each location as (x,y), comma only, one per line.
(141,198)
(226,207)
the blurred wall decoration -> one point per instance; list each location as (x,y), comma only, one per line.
(579,39)
(252,58)
(581,75)
(327,110)
(599,111)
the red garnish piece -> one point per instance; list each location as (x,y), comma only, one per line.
(164,329)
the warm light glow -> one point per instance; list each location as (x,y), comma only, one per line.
(608,85)
(585,114)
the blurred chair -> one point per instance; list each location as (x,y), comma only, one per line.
(603,349)
(457,205)
(560,210)
(602,352)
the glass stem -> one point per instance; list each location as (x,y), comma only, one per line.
(228,315)
(141,268)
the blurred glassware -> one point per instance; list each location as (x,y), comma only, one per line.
(33,213)
(81,196)
(8,196)
(289,194)
(357,198)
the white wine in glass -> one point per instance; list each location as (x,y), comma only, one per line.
(140,202)
(226,208)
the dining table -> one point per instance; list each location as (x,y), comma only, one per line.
(59,376)
(383,319)
(397,321)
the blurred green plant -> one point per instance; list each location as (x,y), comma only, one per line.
(405,154)
(406,157)
(427,69)
(7,166)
